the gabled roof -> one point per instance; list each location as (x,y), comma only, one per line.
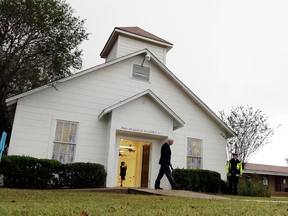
(229,132)
(177,121)
(265,169)
(138,31)
(134,32)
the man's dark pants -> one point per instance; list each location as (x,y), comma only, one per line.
(233,183)
(165,169)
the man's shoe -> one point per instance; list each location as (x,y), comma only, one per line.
(158,188)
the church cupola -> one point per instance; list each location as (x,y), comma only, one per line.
(126,40)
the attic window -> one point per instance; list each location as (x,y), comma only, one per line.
(141,73)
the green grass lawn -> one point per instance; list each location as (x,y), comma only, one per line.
(71,202)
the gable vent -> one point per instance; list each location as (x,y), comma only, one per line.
(141,73)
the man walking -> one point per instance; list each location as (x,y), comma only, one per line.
(234,171)
(165,162)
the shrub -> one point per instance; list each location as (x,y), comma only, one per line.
(198,180)
(250,188)
(27,172)
(85,175)
(33,173)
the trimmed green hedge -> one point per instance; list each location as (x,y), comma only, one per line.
(199,180)
(33,173)
(27,172)
(85,175)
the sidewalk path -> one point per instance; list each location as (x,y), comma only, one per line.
(180,193)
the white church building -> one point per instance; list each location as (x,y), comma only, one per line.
(121,110)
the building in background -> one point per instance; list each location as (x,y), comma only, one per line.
(274,177)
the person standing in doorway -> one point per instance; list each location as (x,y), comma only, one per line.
(165,164)
(123,169)
(234,172)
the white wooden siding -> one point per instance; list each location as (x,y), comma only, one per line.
(143,114)
(128,45)
(82,99)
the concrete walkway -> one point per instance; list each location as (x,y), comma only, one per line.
(148,191)
(179,193)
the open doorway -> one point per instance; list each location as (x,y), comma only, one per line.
(135,155)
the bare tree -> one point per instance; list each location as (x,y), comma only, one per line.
(252,129)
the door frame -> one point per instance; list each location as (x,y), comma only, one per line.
(139,139)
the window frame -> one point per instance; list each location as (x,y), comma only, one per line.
(192,161)
(65,141)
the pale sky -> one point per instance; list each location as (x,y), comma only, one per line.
(229,53)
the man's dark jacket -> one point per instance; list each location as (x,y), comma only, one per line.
(165,158)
